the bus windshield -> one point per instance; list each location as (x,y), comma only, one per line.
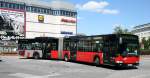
(129,46)
(132,48)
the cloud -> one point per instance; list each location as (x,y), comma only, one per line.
(99,7)
(108,11)
(91,5)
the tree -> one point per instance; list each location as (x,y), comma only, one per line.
(146,43)
(120,30)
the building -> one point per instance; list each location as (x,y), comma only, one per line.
(34,18)
(143,31)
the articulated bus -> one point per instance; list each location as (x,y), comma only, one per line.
(112,49)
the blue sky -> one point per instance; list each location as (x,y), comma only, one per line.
(101,16)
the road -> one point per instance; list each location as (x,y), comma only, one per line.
(13,67)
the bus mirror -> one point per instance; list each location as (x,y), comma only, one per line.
(120,40)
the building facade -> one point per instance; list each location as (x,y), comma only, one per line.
(33,18)
(143,31)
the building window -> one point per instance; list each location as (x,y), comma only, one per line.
(6,5)
(45,11)
(28,8)
(17,6)
(42,11)
(37,9)
(22,7)
(10,5)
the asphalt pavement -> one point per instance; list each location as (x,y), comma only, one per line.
(14,67)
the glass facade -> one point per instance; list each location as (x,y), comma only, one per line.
(35,9)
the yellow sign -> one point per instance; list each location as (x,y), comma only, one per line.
(41,18)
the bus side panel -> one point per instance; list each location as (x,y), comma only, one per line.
(26,53)
(29,53)
(54,54)
(21,53)
(100,54)
(80,56)
(89,57)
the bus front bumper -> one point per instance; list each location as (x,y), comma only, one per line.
(128,61)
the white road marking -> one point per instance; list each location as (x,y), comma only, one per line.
(142,76)
(23,75)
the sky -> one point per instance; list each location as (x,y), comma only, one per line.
(102,16)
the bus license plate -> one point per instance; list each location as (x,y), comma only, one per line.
(129,64)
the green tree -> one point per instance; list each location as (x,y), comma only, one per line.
(120,30)
(146,43)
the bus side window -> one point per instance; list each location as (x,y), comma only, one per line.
(66,46)
(100,47)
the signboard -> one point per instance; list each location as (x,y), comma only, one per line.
(41,18)
(64,32)
(68,20)
(12,24)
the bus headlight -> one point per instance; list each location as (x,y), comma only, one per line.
(137,61)
(119,61)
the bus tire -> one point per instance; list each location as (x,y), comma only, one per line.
(36,55)
(66,58)
(96,61)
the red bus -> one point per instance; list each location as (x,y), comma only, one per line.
(113,49)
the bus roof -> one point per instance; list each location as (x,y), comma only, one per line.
(114,35)
(38,39)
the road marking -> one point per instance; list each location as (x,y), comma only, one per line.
(141,76)
(23,75)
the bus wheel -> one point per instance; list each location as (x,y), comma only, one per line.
(36,55)
(96,61)
(66,58)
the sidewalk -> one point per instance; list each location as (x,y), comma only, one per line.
(8,54)
(145,57)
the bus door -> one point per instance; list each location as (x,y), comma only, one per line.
(106,53)
(46,48)
(73,50)
(51,49)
